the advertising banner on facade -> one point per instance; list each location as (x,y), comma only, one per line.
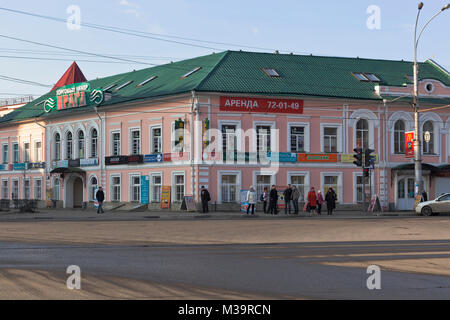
(263,105)
(282,157)
(88,162)
(409,144)
(165,197)
(145,189)
(324,157)
(152,158)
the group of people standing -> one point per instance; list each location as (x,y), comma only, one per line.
(291,196)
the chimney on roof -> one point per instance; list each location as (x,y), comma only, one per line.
(277,52)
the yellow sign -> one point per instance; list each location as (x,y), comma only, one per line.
(348,158)
(165,197)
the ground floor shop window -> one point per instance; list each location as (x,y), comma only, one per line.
(299,182)
(178,187)
(26,189)
(115,188)
(38,189)
(262,181)
(359,188)
(229,188)
(330,182)
(5,189)
(156,183)
(15,189)
(56,189)
(93,185)
(135,188)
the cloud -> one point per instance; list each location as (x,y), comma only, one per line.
(132,8)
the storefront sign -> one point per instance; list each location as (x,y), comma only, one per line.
(89,162)
(37,165)
(324,157)
(60,164)
(145,189)
(74,163)
(3,167)
(165,197)
(74,96)
(19,166)
(115,160)
(150,158)
(243,104)
(409,144)
(282,157)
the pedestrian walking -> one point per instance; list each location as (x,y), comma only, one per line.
(424,196)
(273,199)
(330,199)
(295,196)
(251,200)
(204,194)
(287,199)
(312,200)
(100,196)
(265,200)
(320,201)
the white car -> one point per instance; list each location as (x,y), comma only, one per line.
(439,205)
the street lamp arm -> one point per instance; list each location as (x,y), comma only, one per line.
(420,34)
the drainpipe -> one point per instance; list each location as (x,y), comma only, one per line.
(192,147)
(100,146)
(386,155)
(44,154)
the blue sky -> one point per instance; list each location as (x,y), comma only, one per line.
(322,27)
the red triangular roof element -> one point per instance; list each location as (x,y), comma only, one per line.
(71,76)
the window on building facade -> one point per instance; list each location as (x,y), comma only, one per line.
(362,134)
(81,145)
(57,148)
(16,153)
(56,189)
(5,153)
(135,142)
(116,144)
(26,152)
(299,182)
(229,139)
(135,189)
(330,182)
(330,140)
(428,147)
(26,189)
(69,146)
(5,189)
(229,188)
(179,187)
(15,189)
(93,185)
(177,138)
(263,141)
(297,139)
(115,189)
(37,189)
(156,140)
(399,137)
(359,188)
(156,188)
(262,181)
(38,151)
(94,143)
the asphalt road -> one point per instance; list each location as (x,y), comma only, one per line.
(277,271)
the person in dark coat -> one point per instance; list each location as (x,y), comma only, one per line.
(330,199)
(273,197)
(100,196)
(287,199)
(204,194)
(424,196)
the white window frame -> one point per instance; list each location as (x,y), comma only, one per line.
(18,187)
(273,179)
(152,175)
(340,182)
(355,188)
(7,189)
(26,155)
(14,153)
(35,189)
(38,157)
(91,197)
(306,133)
(130,140)
(273,135)
(55,191)
(132,185)
(238,174)
(236,123)
(91,143)
(111,178)
(305,174)
(77,155)
(66,141)
(56,156)
(111,145)
(174,185)
(4,161)
(339,133)
(153,127)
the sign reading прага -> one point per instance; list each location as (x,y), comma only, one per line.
(74,96)
(243,104)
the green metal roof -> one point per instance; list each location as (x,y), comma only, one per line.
(241,72)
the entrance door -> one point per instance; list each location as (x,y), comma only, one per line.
(405,194)
(77,193)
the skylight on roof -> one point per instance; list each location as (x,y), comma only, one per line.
(143,83)
(271,72)
(410,78)
(372,77)
(110,87)
(360,76)
(191,72)
(123,86)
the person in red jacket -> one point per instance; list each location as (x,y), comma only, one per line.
(312,200)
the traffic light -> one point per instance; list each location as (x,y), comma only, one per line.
(358,156)
(369,160)
(366,172)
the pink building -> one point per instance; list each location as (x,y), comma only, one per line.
(228,121)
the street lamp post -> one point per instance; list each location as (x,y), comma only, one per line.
(417,144)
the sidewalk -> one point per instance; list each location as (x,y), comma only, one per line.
(117,215)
